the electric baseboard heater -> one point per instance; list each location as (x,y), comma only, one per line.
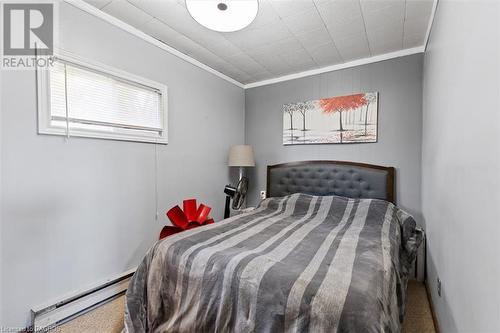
(47,316)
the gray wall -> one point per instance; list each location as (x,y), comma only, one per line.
(399,83)
(1,208)
(77,212)
(461,166)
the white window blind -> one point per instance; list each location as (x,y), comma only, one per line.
(84,100)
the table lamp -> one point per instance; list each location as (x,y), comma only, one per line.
(241,156)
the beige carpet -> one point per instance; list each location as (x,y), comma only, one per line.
(418,318)
(109,317)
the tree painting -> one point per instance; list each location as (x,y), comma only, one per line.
(302,108)
(342,104)
(370,98)
(343,119)
(288,109)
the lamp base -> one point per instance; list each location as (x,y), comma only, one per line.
(226,207)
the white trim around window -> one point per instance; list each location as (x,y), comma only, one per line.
(73,126)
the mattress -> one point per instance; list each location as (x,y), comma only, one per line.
(298,263)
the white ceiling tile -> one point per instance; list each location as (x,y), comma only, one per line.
(391,14)
(99,3)
(304,22)
(386,47)
(272,32)
(325,54)
(164,33)
(236,74)
(199,52)
(350,36)
(216,63)
(416,26)
(418,9)
(384,26)
(383,38)
(170,13)
(282,72)
(375,5)
(271,62)
(253,38)
(177,18)
(128,13)
(246,63)
(210,40)
(280,68)
(265,15)
(321,2)
(219,64)
(255,77)
(413,40)
(305,67)
(154,7)
(355,52)
(287,36)
(292,7)
(260,75)
(262,58)
(204,36)
(418,13)
(352,47)
(297,58)
(349,27)
(185,45)
(161,31)
(224,48)
(339,13)
(314,38)
(246,45)
(352,28)
(289,44)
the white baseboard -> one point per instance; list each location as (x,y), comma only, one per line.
(73,304)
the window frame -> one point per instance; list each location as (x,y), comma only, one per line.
(45,125)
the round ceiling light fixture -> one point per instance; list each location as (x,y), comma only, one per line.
(223,15)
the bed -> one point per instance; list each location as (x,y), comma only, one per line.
(327,251)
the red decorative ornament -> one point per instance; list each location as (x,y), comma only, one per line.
(187,218)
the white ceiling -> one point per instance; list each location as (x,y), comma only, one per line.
(288,36)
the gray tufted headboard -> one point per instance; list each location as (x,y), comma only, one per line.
(349,179)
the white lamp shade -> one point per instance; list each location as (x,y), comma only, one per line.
(241,156)
(223,15)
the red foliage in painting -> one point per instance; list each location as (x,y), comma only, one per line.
(343,103)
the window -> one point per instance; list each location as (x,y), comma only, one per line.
(82,99)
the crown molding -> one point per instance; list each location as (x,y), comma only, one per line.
(354,63)
(431,22)
(80,4)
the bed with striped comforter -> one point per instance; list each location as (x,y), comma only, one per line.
(299,263)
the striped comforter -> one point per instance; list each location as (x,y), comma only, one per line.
(299,263)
